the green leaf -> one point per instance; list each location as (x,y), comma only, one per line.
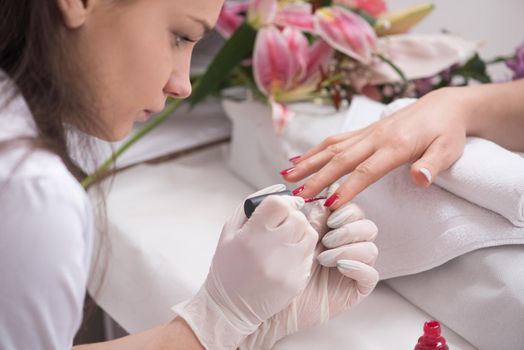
(475,68)
(236,49)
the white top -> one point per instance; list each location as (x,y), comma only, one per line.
(46,235)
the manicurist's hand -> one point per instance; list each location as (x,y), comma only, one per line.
(260,265)
(341,276)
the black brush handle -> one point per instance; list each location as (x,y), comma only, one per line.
(252,203)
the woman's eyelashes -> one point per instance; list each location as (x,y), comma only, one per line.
(179,40)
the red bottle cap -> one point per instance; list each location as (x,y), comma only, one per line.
(431,339)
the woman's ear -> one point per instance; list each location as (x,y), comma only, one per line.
(74,12)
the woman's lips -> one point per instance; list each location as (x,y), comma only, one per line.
(145,115)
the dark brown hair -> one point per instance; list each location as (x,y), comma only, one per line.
(38,55)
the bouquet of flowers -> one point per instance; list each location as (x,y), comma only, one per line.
(327,51)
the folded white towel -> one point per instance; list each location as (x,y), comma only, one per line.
(486,174)
(421,228)
(489,176)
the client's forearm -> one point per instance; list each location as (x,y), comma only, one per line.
(496,112)
(176,335)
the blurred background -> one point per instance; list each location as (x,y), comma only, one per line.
(496,24)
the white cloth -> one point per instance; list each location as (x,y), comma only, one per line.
(426,227)
(486,174)
(421,228)
(45,241)
(479,295)
(490,176)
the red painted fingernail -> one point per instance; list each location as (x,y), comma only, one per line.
(297,190)
(287,171)
(331,200)
(295,159)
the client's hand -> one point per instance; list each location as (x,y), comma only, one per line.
(430,133)
(259,266)
(342,275)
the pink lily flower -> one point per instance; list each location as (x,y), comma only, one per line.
(271,62)
(286,68)
(261,12)
(285,65)
(346,32)
(265,12)
(231,17)
(297,15)
(281,114)
(373,7)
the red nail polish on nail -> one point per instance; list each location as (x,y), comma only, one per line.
(297,190)
(331,200)
(295,159)
(287,171)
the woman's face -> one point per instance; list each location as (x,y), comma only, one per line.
(135,53)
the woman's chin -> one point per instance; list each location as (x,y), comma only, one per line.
(120,132)
(117,134)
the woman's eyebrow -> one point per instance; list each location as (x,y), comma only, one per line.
(206,28)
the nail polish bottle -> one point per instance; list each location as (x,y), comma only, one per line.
(431,339)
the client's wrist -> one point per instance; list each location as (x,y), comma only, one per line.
(461,104)
(473,102)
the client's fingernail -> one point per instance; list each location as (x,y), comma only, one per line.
(346,265)
(287,171)
(297,190)
(426,173)
(331,200)
(295,159)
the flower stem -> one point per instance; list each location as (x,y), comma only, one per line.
(396,69)
(241,74)
(500,59)
(102,169)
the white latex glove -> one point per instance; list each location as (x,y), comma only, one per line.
(342,274)
(259,266)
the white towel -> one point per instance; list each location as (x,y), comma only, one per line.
(486,174)
(421,228)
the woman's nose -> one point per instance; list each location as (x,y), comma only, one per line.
(178,87)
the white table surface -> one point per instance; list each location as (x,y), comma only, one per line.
(164,221)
